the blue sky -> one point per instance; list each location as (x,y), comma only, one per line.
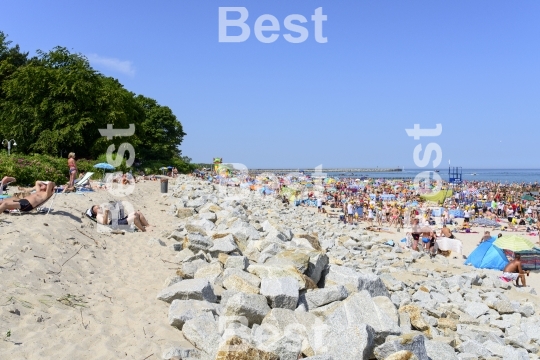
(472,66)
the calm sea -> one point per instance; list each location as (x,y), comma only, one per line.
(498,175)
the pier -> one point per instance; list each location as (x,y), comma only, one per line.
(335,170)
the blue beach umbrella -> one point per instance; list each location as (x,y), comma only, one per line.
(104,166)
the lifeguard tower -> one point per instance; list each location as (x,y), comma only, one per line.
(455,174)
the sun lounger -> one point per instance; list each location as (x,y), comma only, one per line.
(39,208)
(85,180)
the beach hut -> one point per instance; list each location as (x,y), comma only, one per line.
(487,256)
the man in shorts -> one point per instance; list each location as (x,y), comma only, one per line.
(44,190)
(514,272)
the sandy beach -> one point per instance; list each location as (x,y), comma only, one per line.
(67,291)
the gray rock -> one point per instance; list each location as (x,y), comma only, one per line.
(360,308)
(355,281)
(439,350)
(473,347)
(317,263)
(346,340)
(237,262)
(196,289)
(527,309)
(320,297)
(202,226)
(280,292)
(504,307)
(412,343)
(171,280)
(386,305)
(180,353)
(181,311)
(197,242)
(475,309)
(203,333)
(320,357)
(251,306)
(183,213)
(209,272)
(224,245)
(189,268)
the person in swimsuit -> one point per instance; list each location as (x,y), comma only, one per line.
(72,169)
(44,190)
(102,217)
(514,272)
(5,181)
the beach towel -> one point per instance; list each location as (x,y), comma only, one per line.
(447,244)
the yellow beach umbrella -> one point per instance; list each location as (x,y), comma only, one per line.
(513,243)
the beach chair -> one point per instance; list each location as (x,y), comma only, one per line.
(39,208)
(83,181)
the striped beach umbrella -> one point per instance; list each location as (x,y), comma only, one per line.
(513,243)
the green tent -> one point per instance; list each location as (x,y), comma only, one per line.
(438,197)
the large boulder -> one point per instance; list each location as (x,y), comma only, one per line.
(181,311)
(196,242)
(355,281)
(252,307)
(320,297)
(235,348)
(237,262)
(239,284)
(360,308)
(410,342)
(268,271)
(201,226)
(225,245)
(196,289)
(183,213)
(209,272)
(202,331)
(280,292)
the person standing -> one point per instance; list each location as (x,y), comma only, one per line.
(72,169)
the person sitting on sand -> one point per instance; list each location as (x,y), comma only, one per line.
(487,236)
(446,232)
(102,217)
(44,190)
(514,272)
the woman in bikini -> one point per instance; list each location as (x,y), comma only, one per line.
(72,169)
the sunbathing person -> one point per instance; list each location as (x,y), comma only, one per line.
(102,217)
(44,190)
(5,181)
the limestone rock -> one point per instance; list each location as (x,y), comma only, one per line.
(319,297)
(415,315)
(183,213)
(239,284)
(280,292)
(237,262)
(196,289)
(225,245)
(236,348)
(181,311)
(251,306)
(410,342)
(203,333)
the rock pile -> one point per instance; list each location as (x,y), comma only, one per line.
(258,280)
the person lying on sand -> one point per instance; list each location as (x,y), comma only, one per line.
(514,272)
(44,190)
(102,217)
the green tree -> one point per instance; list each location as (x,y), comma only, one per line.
(160,133)
(58,102)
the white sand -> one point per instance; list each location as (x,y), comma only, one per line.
(115,280)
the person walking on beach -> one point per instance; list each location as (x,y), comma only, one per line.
(72,169)
(514,272)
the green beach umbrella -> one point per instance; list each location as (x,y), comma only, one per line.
(513,243)
(527,197)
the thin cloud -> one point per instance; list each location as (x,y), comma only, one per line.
(121,66)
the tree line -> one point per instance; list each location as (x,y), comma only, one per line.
(55,102)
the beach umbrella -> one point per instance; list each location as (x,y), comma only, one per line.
(104,166)
(485,222)
(528,198)
(513,243)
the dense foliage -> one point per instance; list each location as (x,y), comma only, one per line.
(55,102)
